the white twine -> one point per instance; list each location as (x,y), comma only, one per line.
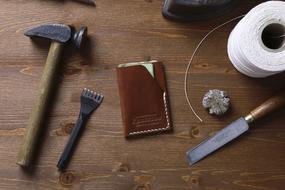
(248,51)
(191,60)
(256,46)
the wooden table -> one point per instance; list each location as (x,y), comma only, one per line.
(126,31)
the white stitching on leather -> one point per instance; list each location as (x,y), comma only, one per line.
(158,129)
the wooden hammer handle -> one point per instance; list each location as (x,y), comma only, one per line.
(39,109)
(267,107)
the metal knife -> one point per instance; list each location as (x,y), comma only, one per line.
(234,130)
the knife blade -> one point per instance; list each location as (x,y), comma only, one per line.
(234,130)
(218,140)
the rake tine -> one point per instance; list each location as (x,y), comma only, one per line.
(89,92)
(86,92)
(93,94)
(100,98)
(83,92)
(96,97)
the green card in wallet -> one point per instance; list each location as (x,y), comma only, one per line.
(144,99)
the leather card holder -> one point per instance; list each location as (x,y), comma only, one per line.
(144,100)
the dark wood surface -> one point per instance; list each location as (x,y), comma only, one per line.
(126,31)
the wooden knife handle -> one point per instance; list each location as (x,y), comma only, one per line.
(272,104)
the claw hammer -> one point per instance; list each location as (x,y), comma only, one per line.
(59,34)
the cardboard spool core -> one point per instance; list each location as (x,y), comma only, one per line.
(273,36)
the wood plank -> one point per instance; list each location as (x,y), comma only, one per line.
(123,32)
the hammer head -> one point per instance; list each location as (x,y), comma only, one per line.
(60,33)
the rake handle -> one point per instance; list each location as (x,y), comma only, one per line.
(69,147)
(39,109)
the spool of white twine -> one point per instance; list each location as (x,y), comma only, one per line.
(256,46)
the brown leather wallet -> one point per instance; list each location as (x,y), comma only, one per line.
(144,99)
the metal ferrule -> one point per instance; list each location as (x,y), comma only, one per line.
(249,118)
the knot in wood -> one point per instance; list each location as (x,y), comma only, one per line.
(121,167)
(195,132)
(195,180)
(67,178)
(68,128)
(142,187)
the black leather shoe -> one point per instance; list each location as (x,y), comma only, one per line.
(191,10)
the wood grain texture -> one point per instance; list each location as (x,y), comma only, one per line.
(127,31)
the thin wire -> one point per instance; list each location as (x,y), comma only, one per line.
(191,60)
